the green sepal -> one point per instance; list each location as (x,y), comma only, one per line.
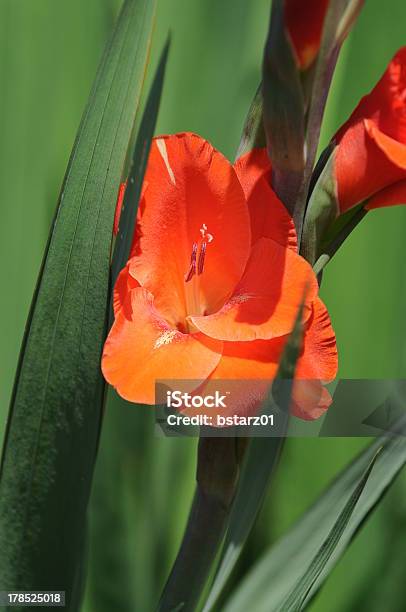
(253,134)
(322,209)
(283,110)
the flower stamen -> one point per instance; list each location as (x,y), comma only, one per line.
(192,268)
(200,264)
(205,239)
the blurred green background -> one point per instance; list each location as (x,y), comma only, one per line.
(49,50)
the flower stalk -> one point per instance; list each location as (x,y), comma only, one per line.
(218,467)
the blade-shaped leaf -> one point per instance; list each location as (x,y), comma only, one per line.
(268,581)
(261,459)
(123,591)
(295,600)
(55,413)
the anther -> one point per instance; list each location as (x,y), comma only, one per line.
(200,264)
(192,268)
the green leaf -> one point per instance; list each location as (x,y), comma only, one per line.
(296,599)
(55,412)
(259,464)
(273,578)
(111,479)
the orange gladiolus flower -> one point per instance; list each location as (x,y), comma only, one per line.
(370,162)
(214,282)
(304,22)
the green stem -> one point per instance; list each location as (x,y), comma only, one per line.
(217,476)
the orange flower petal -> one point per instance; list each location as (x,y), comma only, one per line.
(394,150)
(119,206)
(309,400)
(124,284)
(385,105)
(318,363)
(190,185)
(250,367)
(260,360)
(143,348)
(319,359)
(269,217)
(366,162)
(266,301)
(371,145)
(392,195)
(249,360)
